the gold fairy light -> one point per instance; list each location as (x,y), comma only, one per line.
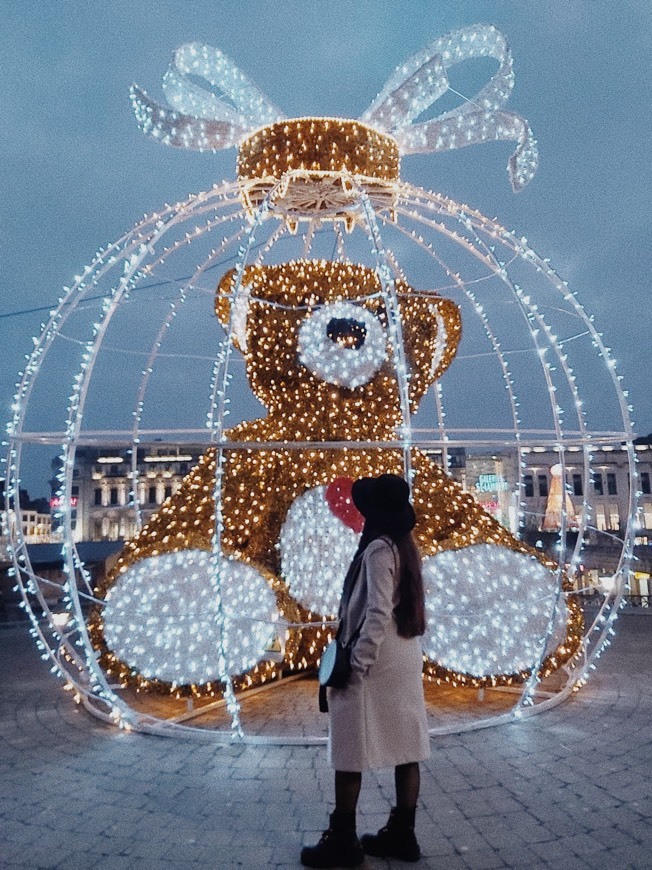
(328,361)
(341,401)
(317,160)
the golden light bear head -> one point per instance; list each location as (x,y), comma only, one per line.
(317,340)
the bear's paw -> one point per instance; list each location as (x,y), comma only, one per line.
(317,546)
(161,617)
(490,609)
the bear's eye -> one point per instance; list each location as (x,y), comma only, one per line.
(342,344)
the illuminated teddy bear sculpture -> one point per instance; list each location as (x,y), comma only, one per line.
(255,543)
(321,356)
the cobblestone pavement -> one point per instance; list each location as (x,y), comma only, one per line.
(567,789)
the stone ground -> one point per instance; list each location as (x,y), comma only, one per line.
(567,789)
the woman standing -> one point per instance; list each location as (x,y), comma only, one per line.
(379,719)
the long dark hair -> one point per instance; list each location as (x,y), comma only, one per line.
(410,612)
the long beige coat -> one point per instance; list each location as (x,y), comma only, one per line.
(379,718)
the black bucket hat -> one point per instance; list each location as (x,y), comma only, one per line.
(385,501)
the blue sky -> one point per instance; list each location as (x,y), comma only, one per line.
(76,172)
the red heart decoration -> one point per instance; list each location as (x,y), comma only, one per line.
(340,502)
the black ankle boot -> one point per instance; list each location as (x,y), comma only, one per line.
(339,845)
(396,839)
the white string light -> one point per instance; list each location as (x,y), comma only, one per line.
(513,616)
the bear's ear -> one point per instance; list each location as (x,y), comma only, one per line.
(231,307)
(449,333)
(432,328)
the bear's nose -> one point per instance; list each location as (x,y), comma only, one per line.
(346,332)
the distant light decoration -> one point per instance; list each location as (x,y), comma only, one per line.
(316,550)
(559,506)
(160,617)
(488,610)
(57,502)
(346,355)
(343,344)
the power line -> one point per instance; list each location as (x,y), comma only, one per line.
(23,311)
(152,286)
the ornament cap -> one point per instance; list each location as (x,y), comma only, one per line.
(315,165)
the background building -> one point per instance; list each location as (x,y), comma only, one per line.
(102,480)
(36,526)
(604,496)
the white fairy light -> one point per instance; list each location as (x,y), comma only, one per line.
(445,208)
(161,617)
(488,610)
(316,550)
(197,118)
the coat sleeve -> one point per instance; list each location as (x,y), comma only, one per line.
(380,566)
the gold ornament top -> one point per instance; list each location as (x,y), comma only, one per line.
(195,117)
(316,166)
(318,145)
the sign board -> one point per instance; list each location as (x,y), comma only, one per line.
(491,483)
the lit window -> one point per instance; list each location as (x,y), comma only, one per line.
(647,515)
(614,519)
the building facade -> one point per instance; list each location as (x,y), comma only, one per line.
(601,499)
(103,479)
(36,527)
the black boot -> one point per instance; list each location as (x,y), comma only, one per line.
(339,845)
(396,839)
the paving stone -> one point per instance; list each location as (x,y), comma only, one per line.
(482,860)
(569,789)
(620,859)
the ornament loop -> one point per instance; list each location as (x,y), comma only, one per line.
(198,118)
(422,80)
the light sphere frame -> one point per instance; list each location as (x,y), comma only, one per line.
(523,322)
